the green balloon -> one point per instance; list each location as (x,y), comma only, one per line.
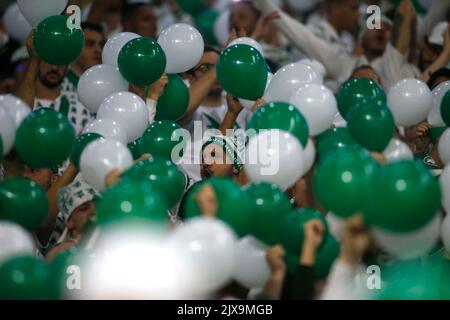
(343,179)
(283,116)
(205,22)
(44,139)
(161,138)
(135,201)
(164,175)
(325,257)
(135,149)
(355,89)
(142,61)
(436,133)
(174,102)
(404,197)
(233,206)
(55,43)
(242,72)
(193,7)
(293,228)
(79,146)
(371,124)
(26,278)
(24,202)
(270,206)
(445,108)
(336,138)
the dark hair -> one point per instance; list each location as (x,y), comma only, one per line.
(249,4)
(443,72)
(205,50)
(92,26)
(131,8)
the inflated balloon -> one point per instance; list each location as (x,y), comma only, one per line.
(100,157)
(79,146)
(183,46)
(35,11)
(282,116)
(404,197)
(412,244)
(98,83)
(335,225)
(309,157)
(130,200)
(325,257)
(24,202)
(248,104)
(410,101)
(270,206)
(336,138)
(355,89)
(142,61)
(26,278)
(174,102)
(107,128)
(269,158)
(397,150)
(7,131)
(113,46)
(44,138)
(55,43)
(164,176)
(248,41)
(208,246)
(317,104)
(289,79)
(16,108)
(371,124)
(445,108)
(135,149)
(162,139)
(16,26)
(343,179)
(444,147)
(435,134)
(251,269)
(206,22)
(221,27)
(445,233)
(316,65)
(232,204)
(14,241)
(128,110)
(242,72)
(193,7)
(434,117)
(445,187)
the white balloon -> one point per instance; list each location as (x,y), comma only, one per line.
(222,27)
(397,150)
(310,156)
(251,269)
(7,130)
(100,157)
(289,79)
(435,117)
(318,66)
(183,46)
(208,247)
(113,46)
(274,156)
(36,11)
(14,241)
(248,104)
(98,83)
(444,147)
(16,108)
(15,23)
(108,129)
(317,104)
(335,225)
(129,111)
(444,180)
(409,245)
(410,101)
(248,41)
(445,232)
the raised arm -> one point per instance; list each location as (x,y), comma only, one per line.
(27,87)
(443,59)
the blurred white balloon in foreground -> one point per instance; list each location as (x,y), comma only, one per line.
(14,241)
(310,156)
(15,23)
(108,129)
(444,147)
(435,117)
(445,188)
(7,130)
(445,233)
(397,150)
(36,11)
(16,107)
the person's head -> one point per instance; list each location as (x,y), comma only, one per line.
(244,16)
(432,46)
(366,71)
(374,41)
(51,76)
(94,40)
(79,217)
(208,61)
(343,14)
(44,177)
(140,18)
(437,77)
